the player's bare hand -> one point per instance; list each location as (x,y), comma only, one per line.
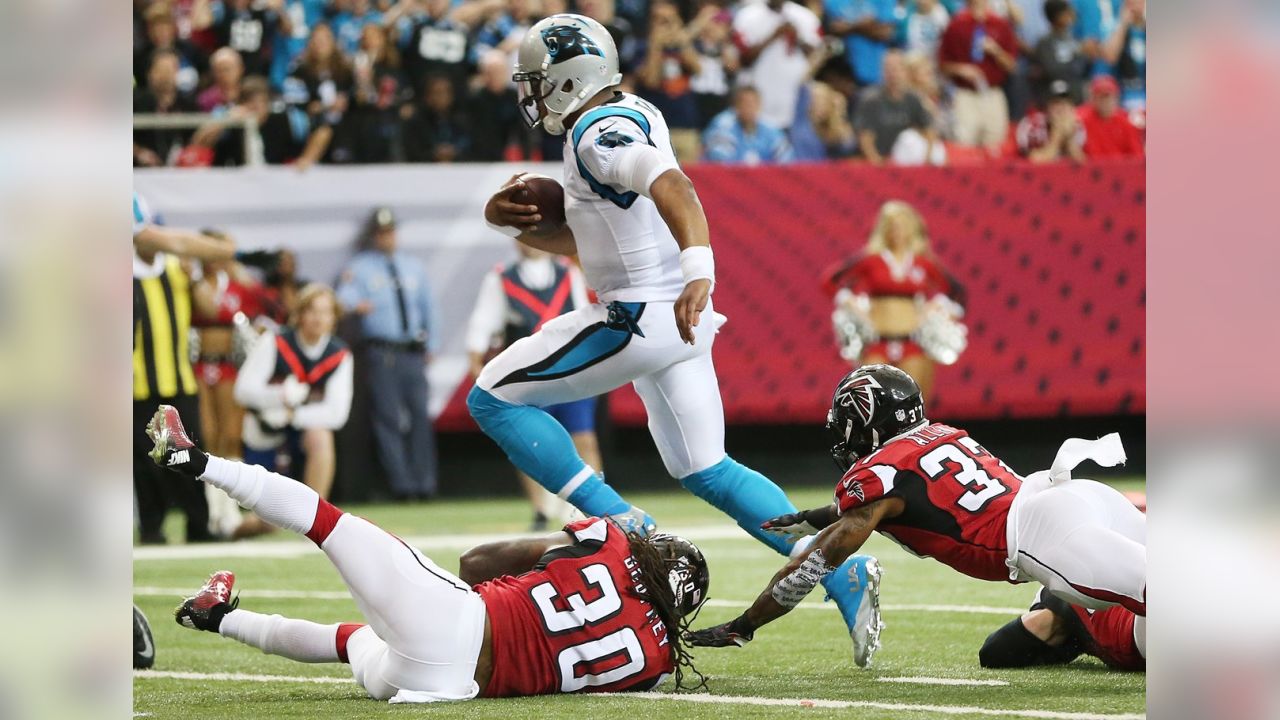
(689,307)
(791,526)
(734,633)
(502,210)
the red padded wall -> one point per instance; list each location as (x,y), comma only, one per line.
(1052,257)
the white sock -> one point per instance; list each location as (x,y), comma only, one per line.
(801,545)
(300,640)
(279,500)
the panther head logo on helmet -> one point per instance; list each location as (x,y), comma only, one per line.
(565,42)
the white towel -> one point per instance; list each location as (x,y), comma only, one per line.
(1105,451)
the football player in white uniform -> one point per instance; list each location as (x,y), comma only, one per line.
(635,223)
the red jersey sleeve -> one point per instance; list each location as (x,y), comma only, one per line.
(863,485)
(953,47)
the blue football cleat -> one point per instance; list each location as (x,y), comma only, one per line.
(635,520)
(855,586)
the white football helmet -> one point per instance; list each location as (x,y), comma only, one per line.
(563,61)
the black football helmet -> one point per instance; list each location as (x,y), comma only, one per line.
(871,405)
(686,571)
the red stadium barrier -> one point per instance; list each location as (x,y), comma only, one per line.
(1053,258)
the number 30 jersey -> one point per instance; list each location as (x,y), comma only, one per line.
(576,622)
(957,498)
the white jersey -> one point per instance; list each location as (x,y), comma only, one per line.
(627,252)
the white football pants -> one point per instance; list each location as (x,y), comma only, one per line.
(1083,540)
(570,358)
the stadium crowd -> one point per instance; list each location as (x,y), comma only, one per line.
(757,81)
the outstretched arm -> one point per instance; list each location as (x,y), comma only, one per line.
(184,243)
(678,203)
(507,557)
(799,576)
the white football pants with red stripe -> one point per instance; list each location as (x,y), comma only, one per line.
(1083,540)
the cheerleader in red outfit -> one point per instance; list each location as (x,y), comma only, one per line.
(894,303)
(225,290)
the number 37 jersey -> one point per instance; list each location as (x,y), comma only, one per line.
(957,497)
(576,622)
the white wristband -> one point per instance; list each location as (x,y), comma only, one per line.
(504,229)
(697,263)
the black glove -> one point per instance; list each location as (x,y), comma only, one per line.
(791,526)
(737,631)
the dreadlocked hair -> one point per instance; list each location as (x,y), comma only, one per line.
(655,589)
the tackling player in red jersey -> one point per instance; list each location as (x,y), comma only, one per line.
(934,490)
(589,609)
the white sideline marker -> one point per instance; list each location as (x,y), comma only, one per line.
(343,595)
(702,698)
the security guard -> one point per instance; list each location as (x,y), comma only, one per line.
(162,373)
(389,290)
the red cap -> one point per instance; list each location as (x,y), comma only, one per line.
(1104,85)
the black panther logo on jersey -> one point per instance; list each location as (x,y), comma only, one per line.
(565,41)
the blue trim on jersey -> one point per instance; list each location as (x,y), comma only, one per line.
(593,116)
(138,217)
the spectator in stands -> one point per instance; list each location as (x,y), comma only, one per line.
(1093,20)
(495,24)
(1126,51)
(622,30)
(321,85)
(1107,129)
(922,78)
(740,134)
(285,131)
(297,387)
(246,26)
(1058,56)
(289,44)
(350,20)
(380,97)
(1034,23)
(718,61)
(493,114)
(892,123)
(977,52)
(152,148)
(867,27)
(923,25)
(670,62)
(515,300)
(438,130)
(389,291)
(162,34)
(776,39)
(1055,133)
(228,72)
(435,44)
(822,131)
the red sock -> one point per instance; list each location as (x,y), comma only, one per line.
(1111,637)
(326,517)
(345,631)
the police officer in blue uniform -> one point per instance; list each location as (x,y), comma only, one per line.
(389,291)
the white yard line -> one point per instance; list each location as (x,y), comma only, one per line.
(150,591)
(941,681)
(700,698)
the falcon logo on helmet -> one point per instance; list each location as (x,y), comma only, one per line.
(565,41)
(857,395)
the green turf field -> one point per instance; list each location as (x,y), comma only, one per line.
(936,620)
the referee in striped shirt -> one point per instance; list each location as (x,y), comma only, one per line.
(162,372)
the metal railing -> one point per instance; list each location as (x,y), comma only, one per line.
(177,121)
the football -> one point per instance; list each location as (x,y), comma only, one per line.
(548,195)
